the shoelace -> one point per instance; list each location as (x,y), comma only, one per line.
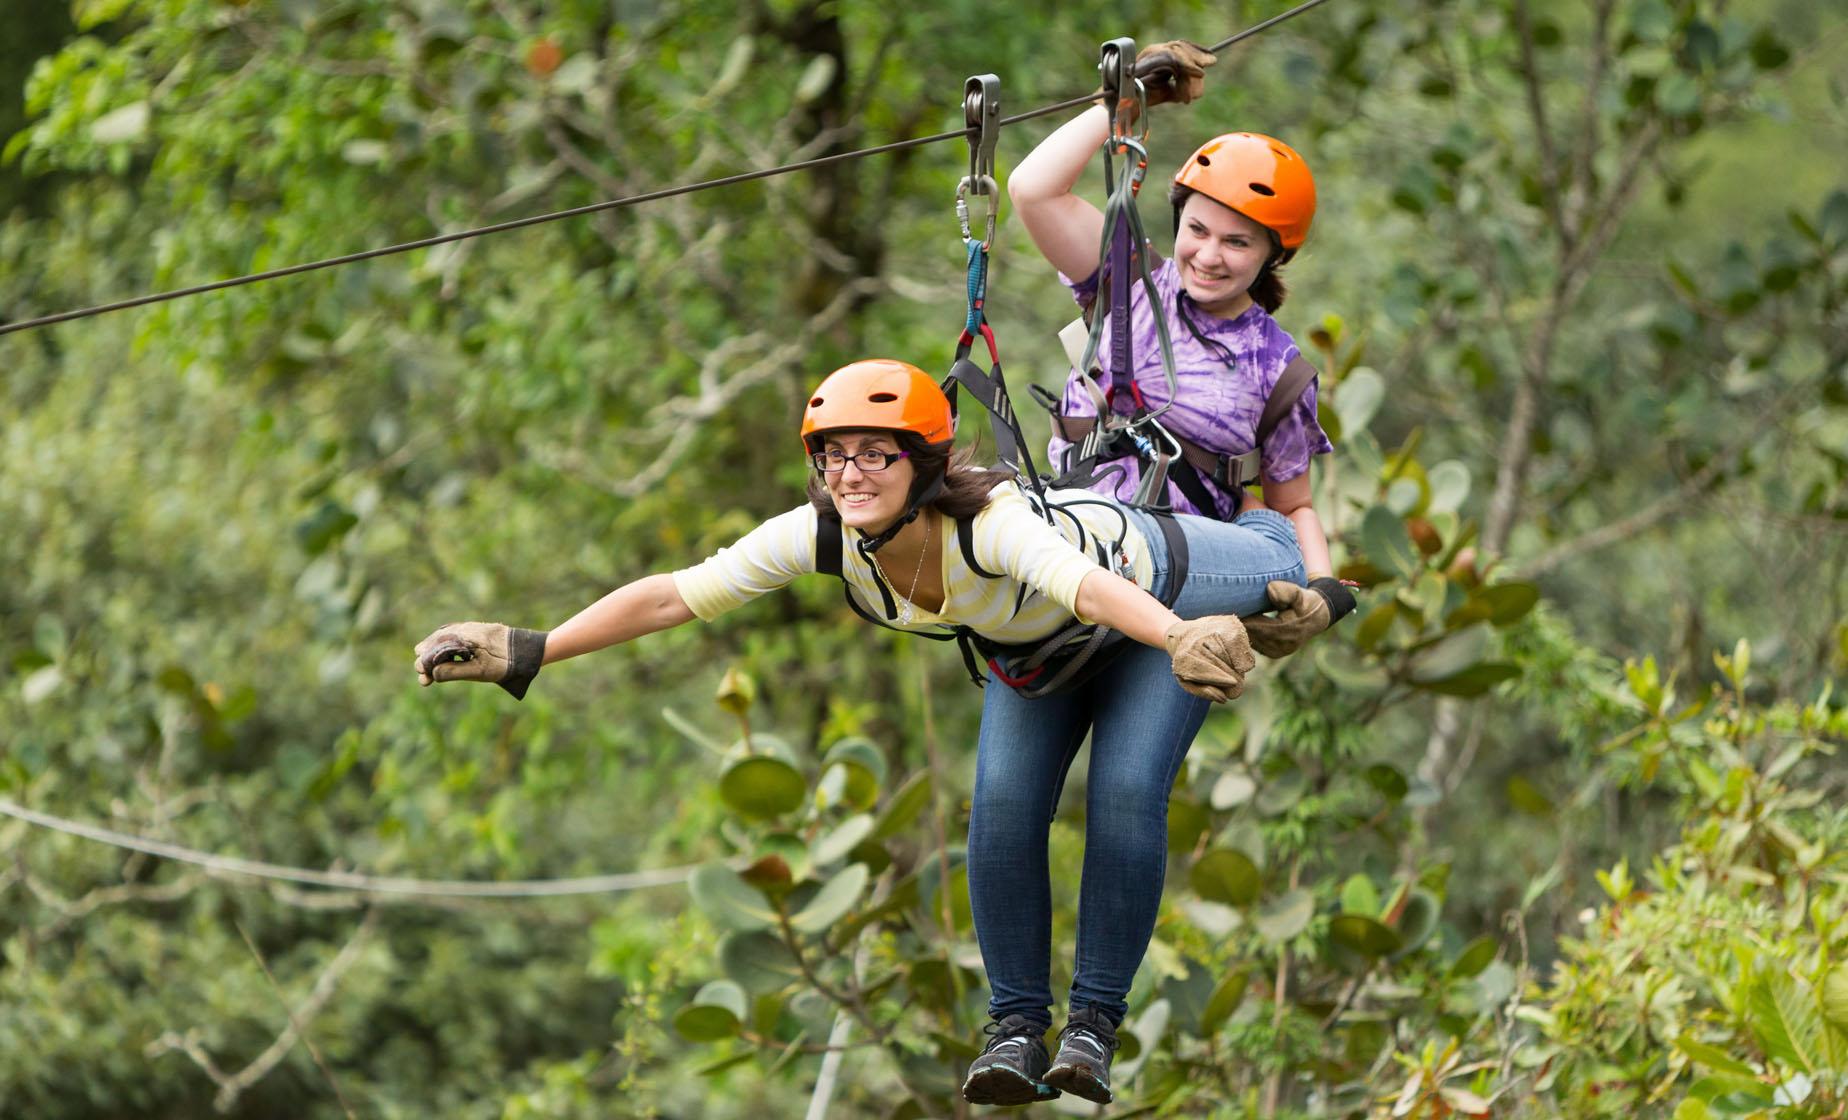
(1101,1045)
(999,1037)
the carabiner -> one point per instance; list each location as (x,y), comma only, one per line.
(985,185)
(982,117)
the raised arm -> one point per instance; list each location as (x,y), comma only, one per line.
(1066,228)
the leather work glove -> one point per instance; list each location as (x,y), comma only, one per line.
(482,651)
(1211,656)
(1302,613)
(1173,71)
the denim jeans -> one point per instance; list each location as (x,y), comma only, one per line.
(1141,724)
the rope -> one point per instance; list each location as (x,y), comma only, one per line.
(597,207)
(349,881)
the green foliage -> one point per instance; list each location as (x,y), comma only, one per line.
(1587,390)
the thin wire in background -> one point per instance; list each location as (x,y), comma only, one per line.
(596,207)
(353,881)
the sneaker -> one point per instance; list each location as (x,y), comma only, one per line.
(1012,1067)
(1082,1066)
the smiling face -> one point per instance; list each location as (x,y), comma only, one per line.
(868,500)
(1219,252)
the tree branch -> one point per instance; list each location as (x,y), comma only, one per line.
(232,1086)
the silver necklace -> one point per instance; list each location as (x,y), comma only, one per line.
(905,610)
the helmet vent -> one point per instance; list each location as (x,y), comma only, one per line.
(814,402)
(882,398)
(1203,161)
(1260,188)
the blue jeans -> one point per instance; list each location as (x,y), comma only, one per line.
(1141,724)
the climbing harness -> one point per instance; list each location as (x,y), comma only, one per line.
(1078,650)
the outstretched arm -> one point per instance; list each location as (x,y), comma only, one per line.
(511,657)
(648,605)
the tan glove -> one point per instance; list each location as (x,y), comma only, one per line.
(1173,71)
(1302,613)
(482,651)
(1211,656)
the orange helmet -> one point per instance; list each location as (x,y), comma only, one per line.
(1261,178)
(878,393)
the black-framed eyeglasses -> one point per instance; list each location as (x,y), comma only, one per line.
(869,459)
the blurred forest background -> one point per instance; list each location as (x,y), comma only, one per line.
(1553,826)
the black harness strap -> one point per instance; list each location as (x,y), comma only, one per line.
(1229,472)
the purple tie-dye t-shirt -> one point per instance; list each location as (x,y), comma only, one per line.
(1218,407)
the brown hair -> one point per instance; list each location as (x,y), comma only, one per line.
(1268,290)
(965,485)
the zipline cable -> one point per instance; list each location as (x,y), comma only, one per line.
(597,207)
(350,881)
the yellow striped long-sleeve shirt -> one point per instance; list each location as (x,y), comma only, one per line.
(1011,539)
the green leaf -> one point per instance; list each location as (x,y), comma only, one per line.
(762,787)
(1223,1002)
(1358,896)
(716,1012)
(835,846)
(1835,997)
(1473,681)
(1387,545)
(1375,624)
(1281,793)
(1363,935)
(833,901)
(1712,1057)
(1285,916)
(904,806)
(1474,958)
(1527,798)
(1452,654)
(728,900)
(1357,398)
(1786,1021)
(1449,482)
(1388,780)
(865,766)
(1509,602)
(1678,95)
(697,1023)
(1227,876)
(1417,921)
(1187,822)
(758,961)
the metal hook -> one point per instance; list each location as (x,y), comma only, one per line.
(982,116)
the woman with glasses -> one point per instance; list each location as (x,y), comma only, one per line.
(935,543)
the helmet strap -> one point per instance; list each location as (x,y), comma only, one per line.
(870,543)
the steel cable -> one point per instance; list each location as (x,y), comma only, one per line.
(352,881)
(595,207)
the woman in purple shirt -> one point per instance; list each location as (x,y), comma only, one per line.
(1243,205)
